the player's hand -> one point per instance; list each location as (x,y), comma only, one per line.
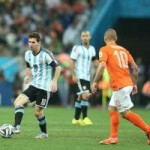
(54,86)
(94,87)
(27,79)
(134,90)
(74,79)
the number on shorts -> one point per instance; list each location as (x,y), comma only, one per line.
(43,102)
(118,104)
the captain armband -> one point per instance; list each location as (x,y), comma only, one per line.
(54,64)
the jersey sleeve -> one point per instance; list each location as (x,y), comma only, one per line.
(74,53)
(26,56)
(94,54)
(103,56)
(27,59)
(50,59)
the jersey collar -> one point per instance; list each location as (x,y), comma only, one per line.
(37,53)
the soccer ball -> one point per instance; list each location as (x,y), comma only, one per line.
(6,131)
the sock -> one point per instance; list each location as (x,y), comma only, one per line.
(77,110)
(137,121)
(19,111)
(84,107)
(42,124)
(114,123)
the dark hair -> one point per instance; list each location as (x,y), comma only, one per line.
(35,35)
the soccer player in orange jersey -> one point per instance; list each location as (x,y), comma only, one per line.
(123,73)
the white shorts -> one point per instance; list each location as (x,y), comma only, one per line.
(121,99)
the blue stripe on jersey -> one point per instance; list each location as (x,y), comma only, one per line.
(41,67)
(84,67)
(86,63)
(46,79)
(41,70)
(83,57)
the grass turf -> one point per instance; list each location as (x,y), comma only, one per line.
(65,136)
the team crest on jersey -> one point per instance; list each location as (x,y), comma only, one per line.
(100,54)
(35,66)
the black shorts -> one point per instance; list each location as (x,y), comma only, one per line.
(41,97)
(83,86)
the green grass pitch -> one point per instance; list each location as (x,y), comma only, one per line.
(64,136)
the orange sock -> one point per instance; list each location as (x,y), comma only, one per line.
(137,121)
(114,123)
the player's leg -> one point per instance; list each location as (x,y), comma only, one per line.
(129,115)
(124,105)
(19,111)
(84,108)
(84,87)
(76,120)
(42,122)
(19,103)
(114,123)
(137,121)
(41,103)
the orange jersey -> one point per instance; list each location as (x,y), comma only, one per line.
(117,61)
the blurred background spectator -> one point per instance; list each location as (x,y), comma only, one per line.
(56,20)
(2,77)
(60,23)
(141,78)
(146,93)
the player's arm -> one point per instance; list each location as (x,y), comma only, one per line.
(27,73)
(134,75)
(57,72)
(98,75)
(95,62)
(74,78)
(134,72)
(51,61)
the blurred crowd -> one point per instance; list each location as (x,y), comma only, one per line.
(143,96)
(60,23)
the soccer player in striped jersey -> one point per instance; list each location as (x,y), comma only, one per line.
(39,65)
(82,56)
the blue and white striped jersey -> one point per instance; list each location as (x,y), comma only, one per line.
(83,57)
(41,69)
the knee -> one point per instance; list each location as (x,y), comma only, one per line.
(123,114)
(37,114)
(20,101)
(17,104)
(112,109)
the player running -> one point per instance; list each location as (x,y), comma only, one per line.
(124,73)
